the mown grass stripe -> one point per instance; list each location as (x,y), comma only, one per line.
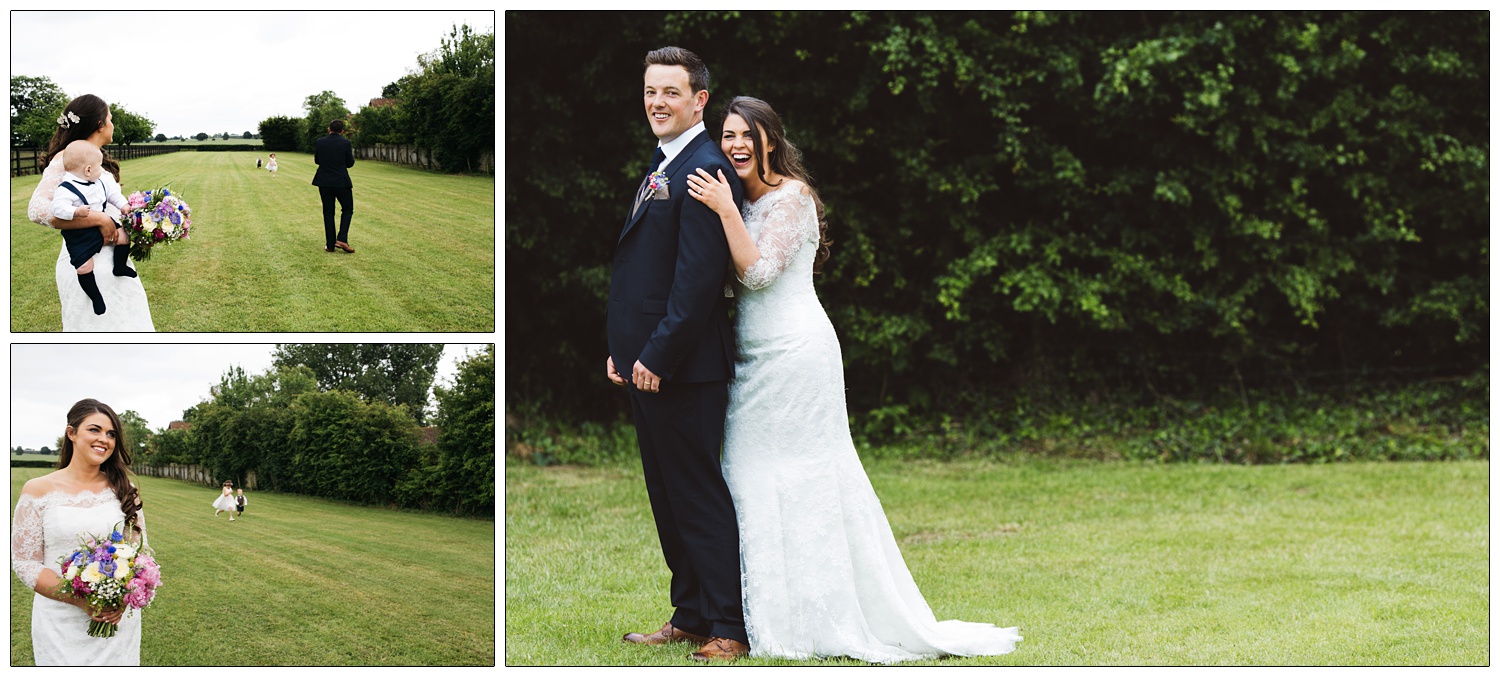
(425,246)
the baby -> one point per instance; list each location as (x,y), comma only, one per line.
(86,186)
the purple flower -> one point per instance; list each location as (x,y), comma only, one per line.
(157,234)
(176,218)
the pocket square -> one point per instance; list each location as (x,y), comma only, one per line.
(661,194)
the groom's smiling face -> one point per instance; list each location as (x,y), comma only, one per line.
(672,107)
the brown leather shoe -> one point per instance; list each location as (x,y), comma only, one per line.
(344,246)
(667,634)
(721,649)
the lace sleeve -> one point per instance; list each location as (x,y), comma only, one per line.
(40,209)
(140,516)
(789,223)
(27,541)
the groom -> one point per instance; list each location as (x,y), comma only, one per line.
(671,347)
(334,156)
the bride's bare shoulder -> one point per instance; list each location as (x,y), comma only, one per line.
(37,487)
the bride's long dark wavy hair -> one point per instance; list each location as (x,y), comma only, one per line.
(91,111)
(784,159)
(116,468)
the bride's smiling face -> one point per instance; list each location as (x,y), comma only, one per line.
(741,150)
(94,438)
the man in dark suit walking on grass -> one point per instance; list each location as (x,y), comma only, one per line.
(334,155)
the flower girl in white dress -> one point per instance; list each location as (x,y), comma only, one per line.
(225,501)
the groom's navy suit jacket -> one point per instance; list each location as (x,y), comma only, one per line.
(334,155)
(666,298)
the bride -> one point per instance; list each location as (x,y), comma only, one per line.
(822,575)
(90,493)
(87,117)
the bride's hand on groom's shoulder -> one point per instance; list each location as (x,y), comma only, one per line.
(711,191)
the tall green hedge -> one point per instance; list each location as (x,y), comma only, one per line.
(1092,203)
(338,444)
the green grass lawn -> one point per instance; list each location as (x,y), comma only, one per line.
(303,581)
(1098,563)
(424,261)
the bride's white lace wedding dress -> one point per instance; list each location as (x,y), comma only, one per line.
(822,575)
(43,530)
(125,305)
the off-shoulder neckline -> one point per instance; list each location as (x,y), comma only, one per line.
(59,492)
(784,184)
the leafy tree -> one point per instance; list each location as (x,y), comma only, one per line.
(281,133)
(322,109)
(49,452)
(201,136)
(35,103)
(450,105)
(137,432)
(247,135)
(161,138)
(397,373)
(1032,204)
(168,446)
(466,442)
(345,448)
(381,124)
(130,127)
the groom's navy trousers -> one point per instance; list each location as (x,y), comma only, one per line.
(667,309)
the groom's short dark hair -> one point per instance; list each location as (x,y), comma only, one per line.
(337,126)
(677,56)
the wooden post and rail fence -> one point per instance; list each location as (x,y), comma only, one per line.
(25,161)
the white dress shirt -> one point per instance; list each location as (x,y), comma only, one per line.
(675,146)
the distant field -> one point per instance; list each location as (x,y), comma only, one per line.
(424,261)
(195,142)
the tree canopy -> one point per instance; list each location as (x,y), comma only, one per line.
(35,103)
(447,106)
(395,373)
(1029,201)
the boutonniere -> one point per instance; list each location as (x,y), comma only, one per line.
(657,182)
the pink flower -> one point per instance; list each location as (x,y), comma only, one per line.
(147,571)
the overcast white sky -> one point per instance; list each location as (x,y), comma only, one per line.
(157,381)
(215,72)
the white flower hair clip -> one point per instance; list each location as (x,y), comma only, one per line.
(62,120)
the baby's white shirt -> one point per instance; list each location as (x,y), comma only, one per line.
(104,190)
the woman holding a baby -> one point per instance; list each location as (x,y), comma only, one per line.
(122,297)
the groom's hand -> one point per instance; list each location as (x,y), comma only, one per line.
(644,380)
(614,376)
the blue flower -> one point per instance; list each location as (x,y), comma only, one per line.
(116,537)
(111,549)
(166,193)
(176,218)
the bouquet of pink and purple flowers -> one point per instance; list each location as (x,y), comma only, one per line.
(156,217)
(110,574)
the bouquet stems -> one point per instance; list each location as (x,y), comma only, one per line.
(102,629)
